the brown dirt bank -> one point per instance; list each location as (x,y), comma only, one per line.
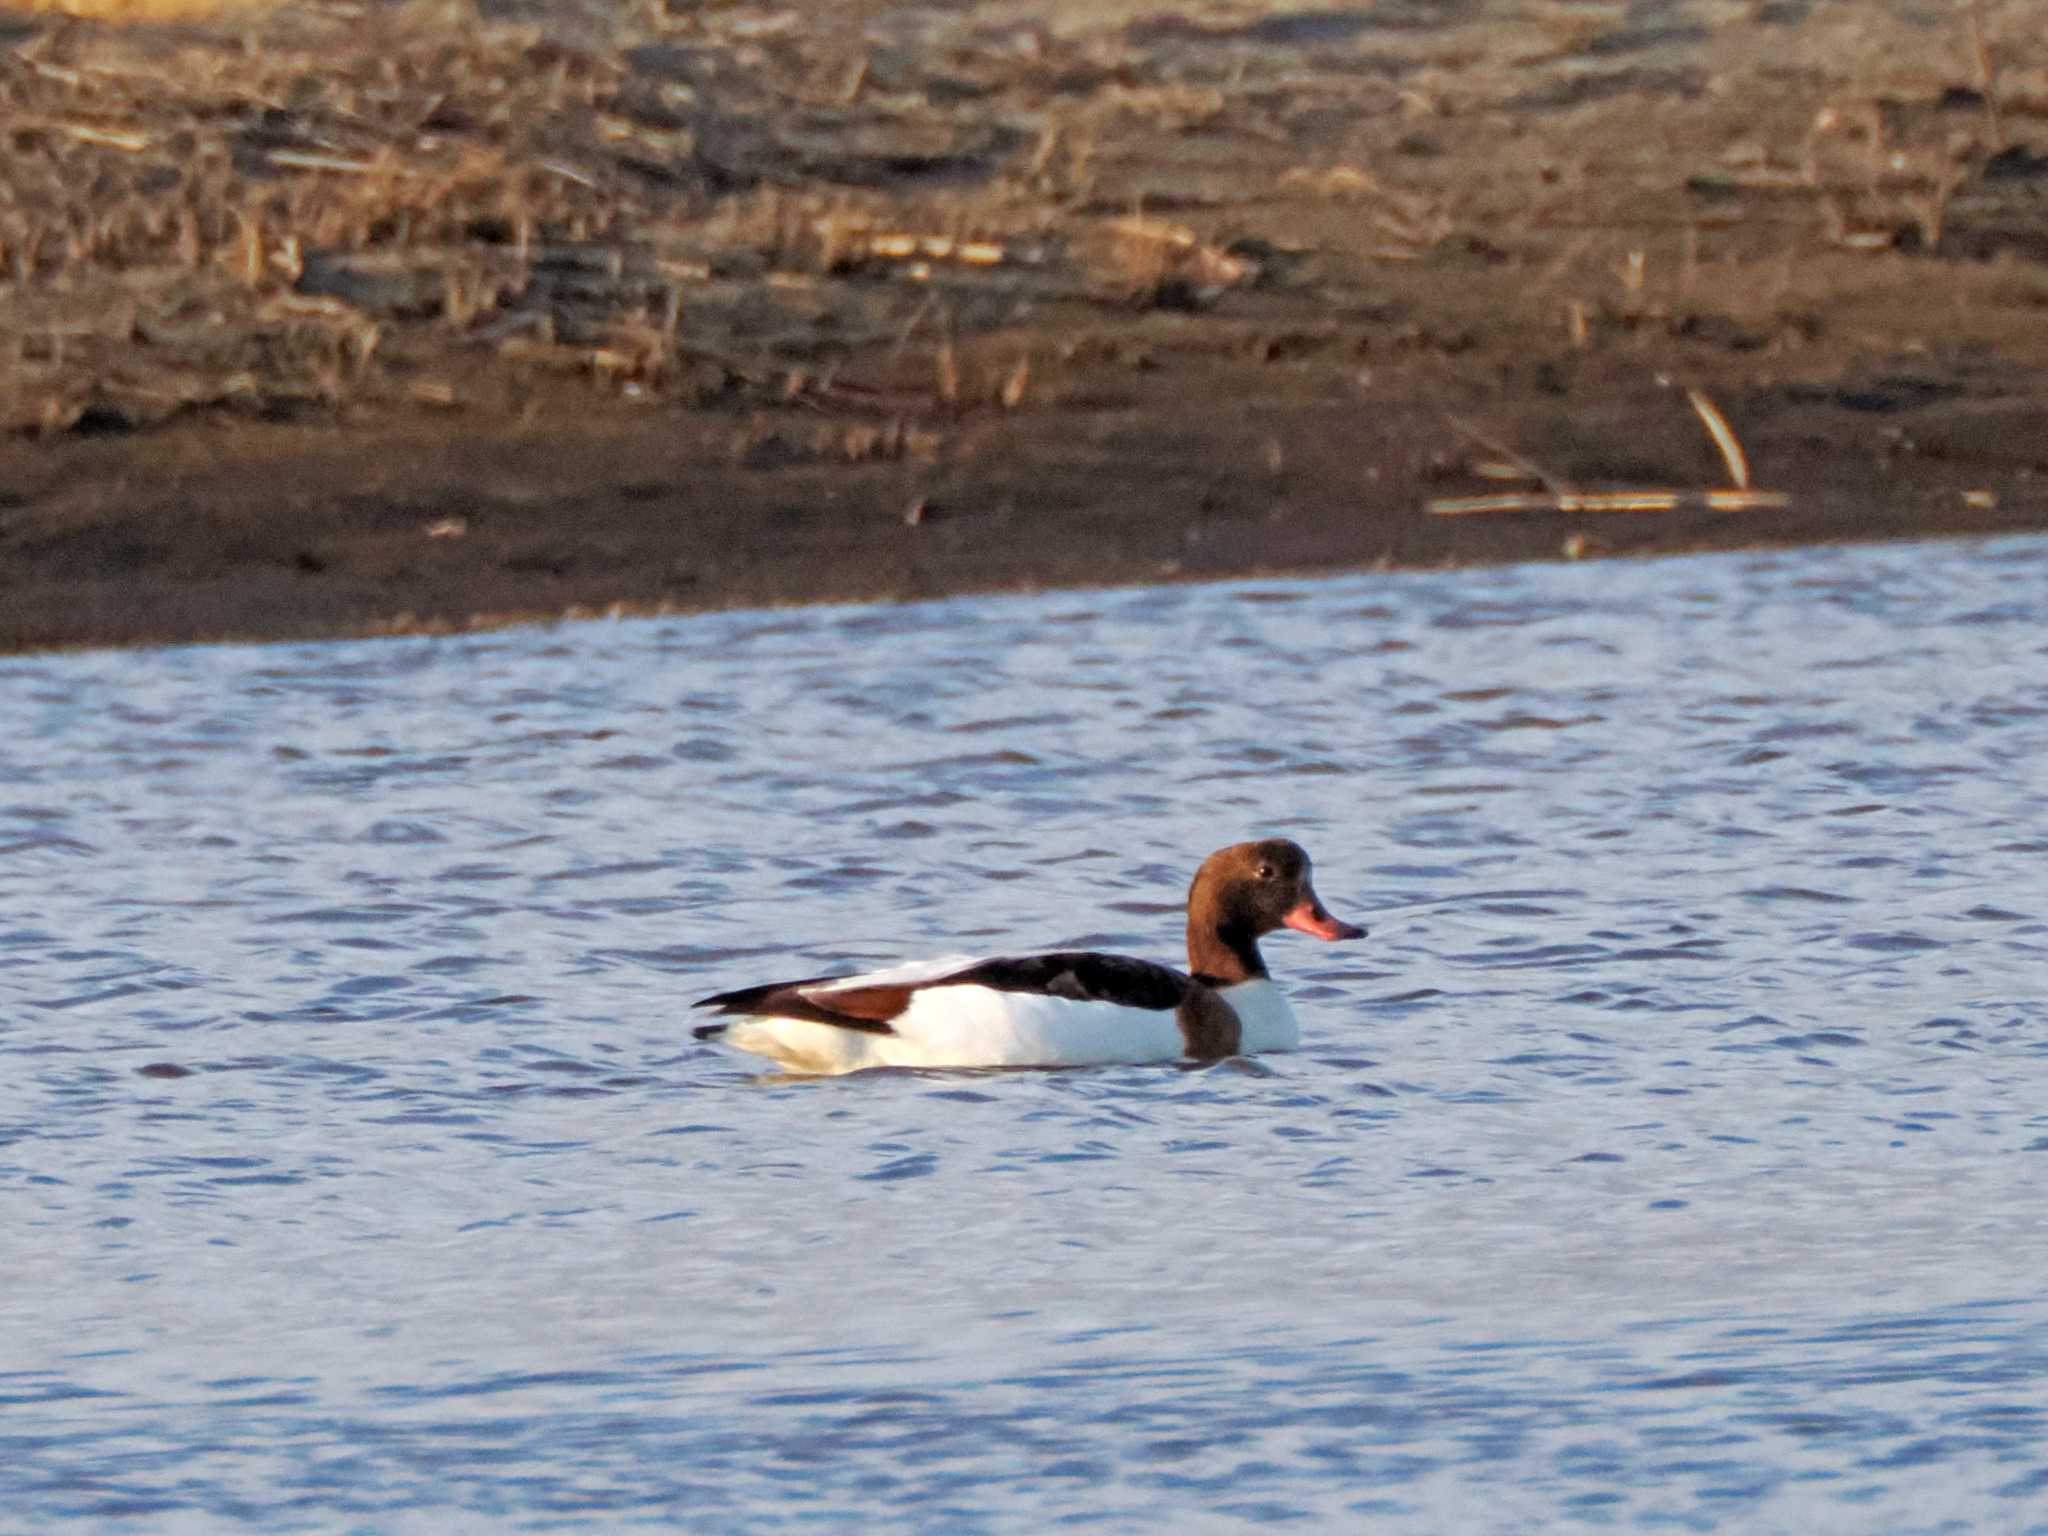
(360,318)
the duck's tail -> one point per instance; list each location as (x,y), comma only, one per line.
(734,1005)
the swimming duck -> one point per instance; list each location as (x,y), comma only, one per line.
(1066,1008)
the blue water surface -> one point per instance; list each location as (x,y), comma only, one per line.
(1671,1156)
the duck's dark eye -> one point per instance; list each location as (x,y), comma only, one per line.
(1267,872)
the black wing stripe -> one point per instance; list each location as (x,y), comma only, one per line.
(1082,977)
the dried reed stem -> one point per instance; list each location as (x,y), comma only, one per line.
(1724,438)
(1648,500)
(1559,488)
(1987,72)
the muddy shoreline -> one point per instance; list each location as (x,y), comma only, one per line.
(386,319)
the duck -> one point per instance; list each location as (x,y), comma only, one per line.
(1057,1008)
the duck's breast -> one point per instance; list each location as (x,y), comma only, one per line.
(975,1026)
(1265,1015)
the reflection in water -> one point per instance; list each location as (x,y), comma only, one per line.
(1668,1156)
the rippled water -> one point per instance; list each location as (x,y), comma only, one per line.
(1671,1156)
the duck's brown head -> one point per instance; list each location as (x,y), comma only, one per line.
(1244,892)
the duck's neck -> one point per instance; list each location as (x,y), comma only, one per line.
(1222,953)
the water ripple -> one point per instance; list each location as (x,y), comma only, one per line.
(1664,1159)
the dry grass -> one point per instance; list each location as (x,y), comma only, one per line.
(139,12)
(1153,262)
(713,201)
(394,164)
